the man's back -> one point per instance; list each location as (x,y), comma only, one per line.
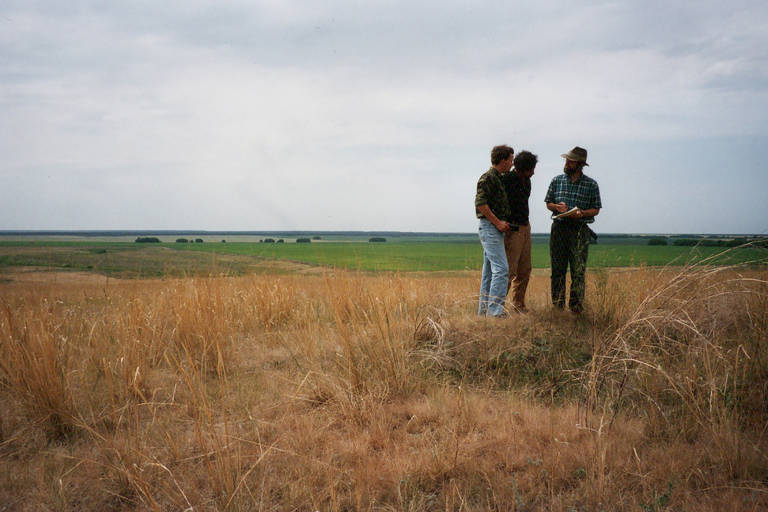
(518,189)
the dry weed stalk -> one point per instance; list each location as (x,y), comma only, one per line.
(34,357)
(686,358)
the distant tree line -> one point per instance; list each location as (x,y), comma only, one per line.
(734,242)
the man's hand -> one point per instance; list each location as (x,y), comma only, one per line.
(499,224)
(561,207)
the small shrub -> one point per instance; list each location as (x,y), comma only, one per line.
(303,240)
(377,239)
(182,241)
(147,240)
(657,241)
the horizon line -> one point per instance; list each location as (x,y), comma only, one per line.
(126,232)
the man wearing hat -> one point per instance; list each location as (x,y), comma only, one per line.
(574,200)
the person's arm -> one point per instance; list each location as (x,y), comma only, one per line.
(591,212)
(556,207)
(550,199)
(501,225)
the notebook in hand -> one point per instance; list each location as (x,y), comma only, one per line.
(565,215)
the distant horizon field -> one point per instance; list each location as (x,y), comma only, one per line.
(357,235)
(153,259)
(322,237)
(435,256)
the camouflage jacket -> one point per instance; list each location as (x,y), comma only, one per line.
(490,191)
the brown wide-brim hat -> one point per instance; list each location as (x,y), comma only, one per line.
(577,154)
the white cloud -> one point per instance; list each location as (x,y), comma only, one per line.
(345,116)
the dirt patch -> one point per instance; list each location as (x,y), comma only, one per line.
(292,267)
(37,276)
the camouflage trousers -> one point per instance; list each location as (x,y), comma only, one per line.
(569,247)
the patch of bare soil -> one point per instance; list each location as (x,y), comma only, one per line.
(293,267)
(35,275)
(38,275)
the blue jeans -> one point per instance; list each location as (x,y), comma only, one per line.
(493,284)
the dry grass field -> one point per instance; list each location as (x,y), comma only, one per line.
(346,391)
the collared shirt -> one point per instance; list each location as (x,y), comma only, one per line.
(518,189)
(583,193)
(490,191)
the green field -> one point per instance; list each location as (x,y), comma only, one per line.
(435,256)
(132,259)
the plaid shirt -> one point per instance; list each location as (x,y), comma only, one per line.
(583,193)
(490,191)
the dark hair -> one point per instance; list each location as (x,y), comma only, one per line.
(525,161)
(499,153)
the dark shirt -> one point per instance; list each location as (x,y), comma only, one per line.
(518,191)
(583,193)
(490,191)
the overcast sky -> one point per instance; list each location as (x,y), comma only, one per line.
(377,115)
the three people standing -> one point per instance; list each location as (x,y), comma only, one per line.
(501,204)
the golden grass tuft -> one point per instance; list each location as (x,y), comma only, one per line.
(348,391)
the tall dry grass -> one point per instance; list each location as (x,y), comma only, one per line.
(357,392)
(690,358)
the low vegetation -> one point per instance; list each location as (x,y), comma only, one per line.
(234,258)
(346,391)
(720,242)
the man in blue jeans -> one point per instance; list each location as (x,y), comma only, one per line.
(492,208)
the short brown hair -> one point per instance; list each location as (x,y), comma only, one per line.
(499,153)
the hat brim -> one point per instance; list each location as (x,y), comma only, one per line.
(573,158)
